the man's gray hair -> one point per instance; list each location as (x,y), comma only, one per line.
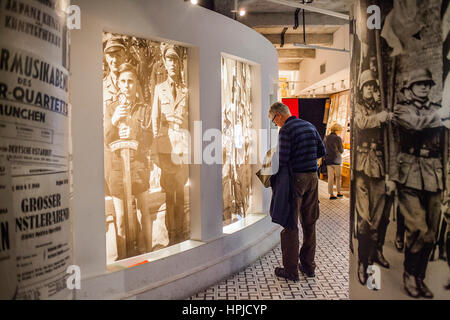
(280,108)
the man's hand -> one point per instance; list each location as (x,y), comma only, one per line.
(382,116)
(124,132)
(120,113)
(390,187)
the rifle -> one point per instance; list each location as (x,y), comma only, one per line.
(388,128)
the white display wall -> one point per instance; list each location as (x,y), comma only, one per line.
(211,254)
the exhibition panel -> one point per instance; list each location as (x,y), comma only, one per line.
(35,182)
(238,139)
(400,152)
(160,113)
(146,171)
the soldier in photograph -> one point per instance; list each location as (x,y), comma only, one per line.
(170,124)
(419,176)
(378,255)
(369,173)
(115,55)
(124,121)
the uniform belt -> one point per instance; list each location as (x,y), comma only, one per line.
(423,153)
(370,145)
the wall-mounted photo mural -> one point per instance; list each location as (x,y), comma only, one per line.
(400,144)
(145,105)
(237,122)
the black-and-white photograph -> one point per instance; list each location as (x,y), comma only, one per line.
(145,105)
(237,123)
(399,153)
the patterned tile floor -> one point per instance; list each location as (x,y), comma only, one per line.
(258,282)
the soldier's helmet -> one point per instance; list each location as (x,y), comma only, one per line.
(365,78)
(114,44)
(419,75)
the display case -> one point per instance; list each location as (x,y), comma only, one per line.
(202,251)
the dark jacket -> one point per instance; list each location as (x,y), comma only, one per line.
(280,205)
(335,148)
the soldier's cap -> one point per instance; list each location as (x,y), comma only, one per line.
(171,50)
(419,75)
(113,45)
(365,78)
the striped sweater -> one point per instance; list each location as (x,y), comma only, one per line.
(300,145)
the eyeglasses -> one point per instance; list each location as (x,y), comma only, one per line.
(273,119)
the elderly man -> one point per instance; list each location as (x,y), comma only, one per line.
(300,145)
(170,125)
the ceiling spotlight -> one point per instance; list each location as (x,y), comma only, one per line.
(194,2)
(242,12)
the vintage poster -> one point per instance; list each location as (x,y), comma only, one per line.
(34,154)
(237,123)
(8,272)
(400,153)
(146,131)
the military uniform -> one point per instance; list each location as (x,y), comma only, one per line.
(140,173)
(369,178)
(170,125)
(420,179)
(110,93)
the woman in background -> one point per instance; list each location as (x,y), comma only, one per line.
(333,160)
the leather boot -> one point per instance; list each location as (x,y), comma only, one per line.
(421,272)
(447,286)
(423,289)
(362,273)
(410,285)
(380,259)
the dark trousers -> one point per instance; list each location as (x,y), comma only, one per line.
(421,211)
(400,225)
(305,207)
(372,215)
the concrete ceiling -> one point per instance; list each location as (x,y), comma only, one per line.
(271,20)
(276,23)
